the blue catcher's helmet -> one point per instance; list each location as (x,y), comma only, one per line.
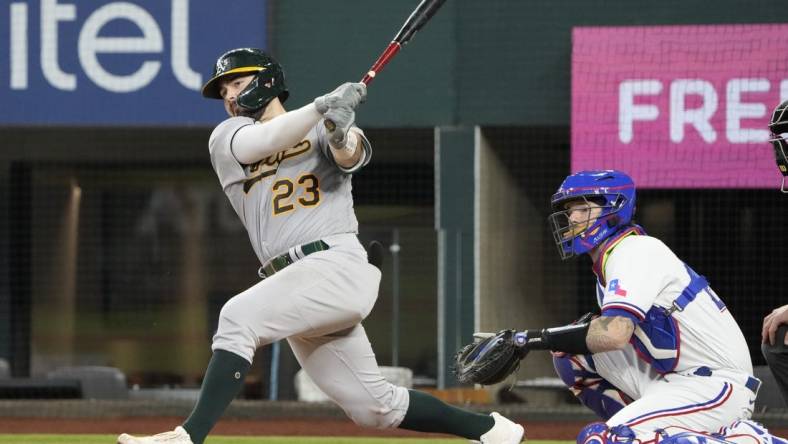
(613,192)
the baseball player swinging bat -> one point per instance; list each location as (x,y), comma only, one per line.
(417,19)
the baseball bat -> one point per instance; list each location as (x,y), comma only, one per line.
(417,19)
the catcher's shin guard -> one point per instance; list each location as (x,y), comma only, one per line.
(600,433)
(577,372)
(695,438)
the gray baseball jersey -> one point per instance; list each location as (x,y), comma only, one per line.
(296,196)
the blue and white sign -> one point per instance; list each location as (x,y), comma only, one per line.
(104,62)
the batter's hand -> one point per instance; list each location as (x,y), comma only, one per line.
(772,322)
(343,118)
(347,95)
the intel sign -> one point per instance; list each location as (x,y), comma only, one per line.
(100,62)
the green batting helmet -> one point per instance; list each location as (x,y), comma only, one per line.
(269,81)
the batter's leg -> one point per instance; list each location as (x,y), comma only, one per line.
(343,366)
(223,380)
(282,305)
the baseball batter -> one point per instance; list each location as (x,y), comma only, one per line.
(289,181)
(665,361)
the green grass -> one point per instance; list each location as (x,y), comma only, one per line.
(110,439)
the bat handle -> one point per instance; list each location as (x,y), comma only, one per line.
(367,79)
(384,58)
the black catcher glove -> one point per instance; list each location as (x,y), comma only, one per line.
(490,360)
(496,356)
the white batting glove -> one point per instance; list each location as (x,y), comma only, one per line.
(347,95)
(343,118)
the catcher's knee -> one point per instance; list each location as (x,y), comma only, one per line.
(578,373)
(600,433)
(573,370)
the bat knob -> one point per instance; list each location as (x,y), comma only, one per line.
(330,125)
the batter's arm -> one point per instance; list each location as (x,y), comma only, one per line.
(348,158)
(253,143)
(351,153)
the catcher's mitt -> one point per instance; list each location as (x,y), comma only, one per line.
(489,361)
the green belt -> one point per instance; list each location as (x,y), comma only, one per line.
(280,262)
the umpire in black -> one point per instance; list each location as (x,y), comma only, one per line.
(775,325)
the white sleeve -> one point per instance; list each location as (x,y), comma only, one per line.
(253,143)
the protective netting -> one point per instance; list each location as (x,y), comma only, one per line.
(119,267)
(731,236)
(118,247)
(684,110)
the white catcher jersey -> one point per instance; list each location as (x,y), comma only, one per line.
(640,277)
(296,196)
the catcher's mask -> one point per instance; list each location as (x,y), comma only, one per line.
(778,127)
(613,195)
(269,81)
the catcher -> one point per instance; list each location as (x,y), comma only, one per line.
(665,360)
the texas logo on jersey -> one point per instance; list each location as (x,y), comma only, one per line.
(616,289)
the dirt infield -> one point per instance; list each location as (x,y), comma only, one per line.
(290,427)
(278,427)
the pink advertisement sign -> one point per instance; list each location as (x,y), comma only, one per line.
(679,106)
